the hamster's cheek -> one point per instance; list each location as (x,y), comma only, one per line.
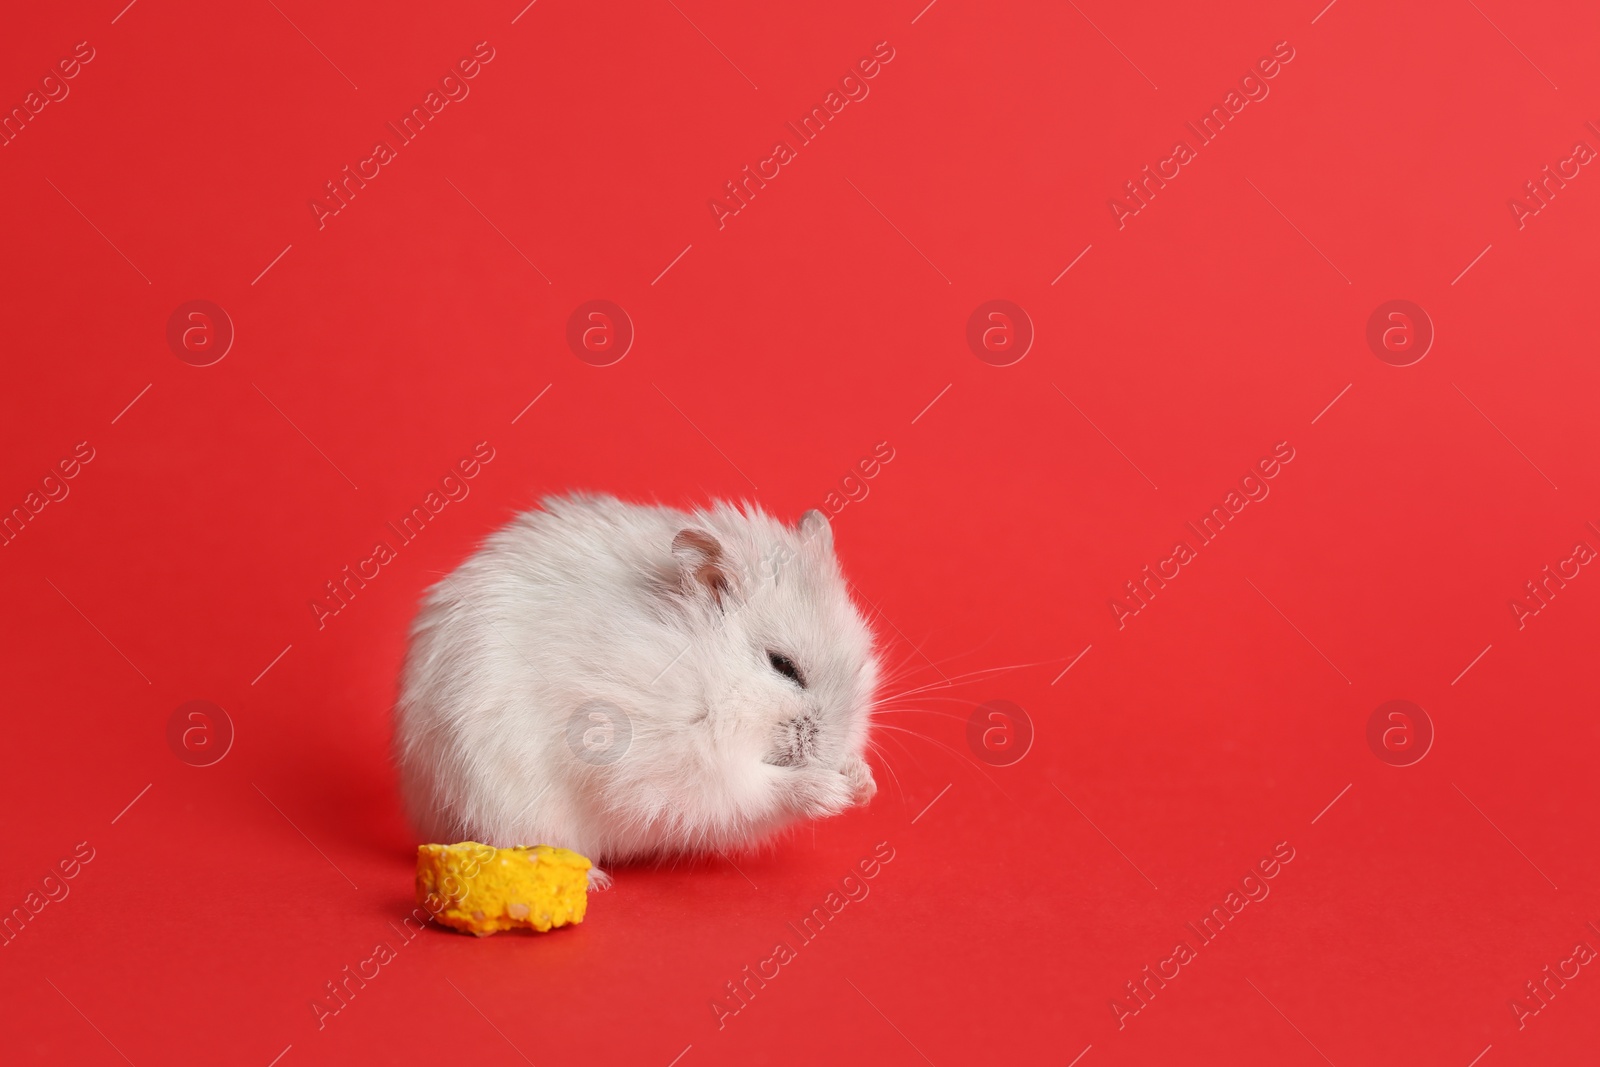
(756,789)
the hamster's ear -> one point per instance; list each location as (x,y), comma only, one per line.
(701,564)
(816,530)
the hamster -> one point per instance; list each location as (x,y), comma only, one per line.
(630,681)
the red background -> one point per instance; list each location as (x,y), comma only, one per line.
(770,358)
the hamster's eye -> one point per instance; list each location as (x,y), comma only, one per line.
(785,666)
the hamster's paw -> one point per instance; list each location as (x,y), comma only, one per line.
(859,777)
(598,880)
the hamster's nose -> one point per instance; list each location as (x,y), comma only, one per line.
(797,743)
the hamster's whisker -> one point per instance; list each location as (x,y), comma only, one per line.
(901,699)
(954,656)
(923,737)
(907,753)
(891,699)
(903,669)
(945,682)
(898,701)
(878,751)
(923,711)
(969,675)
(908,665)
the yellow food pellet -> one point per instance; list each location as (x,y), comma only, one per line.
(479,889)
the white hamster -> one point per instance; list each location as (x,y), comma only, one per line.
(628,681)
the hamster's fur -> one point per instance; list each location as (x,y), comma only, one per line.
(628,681)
